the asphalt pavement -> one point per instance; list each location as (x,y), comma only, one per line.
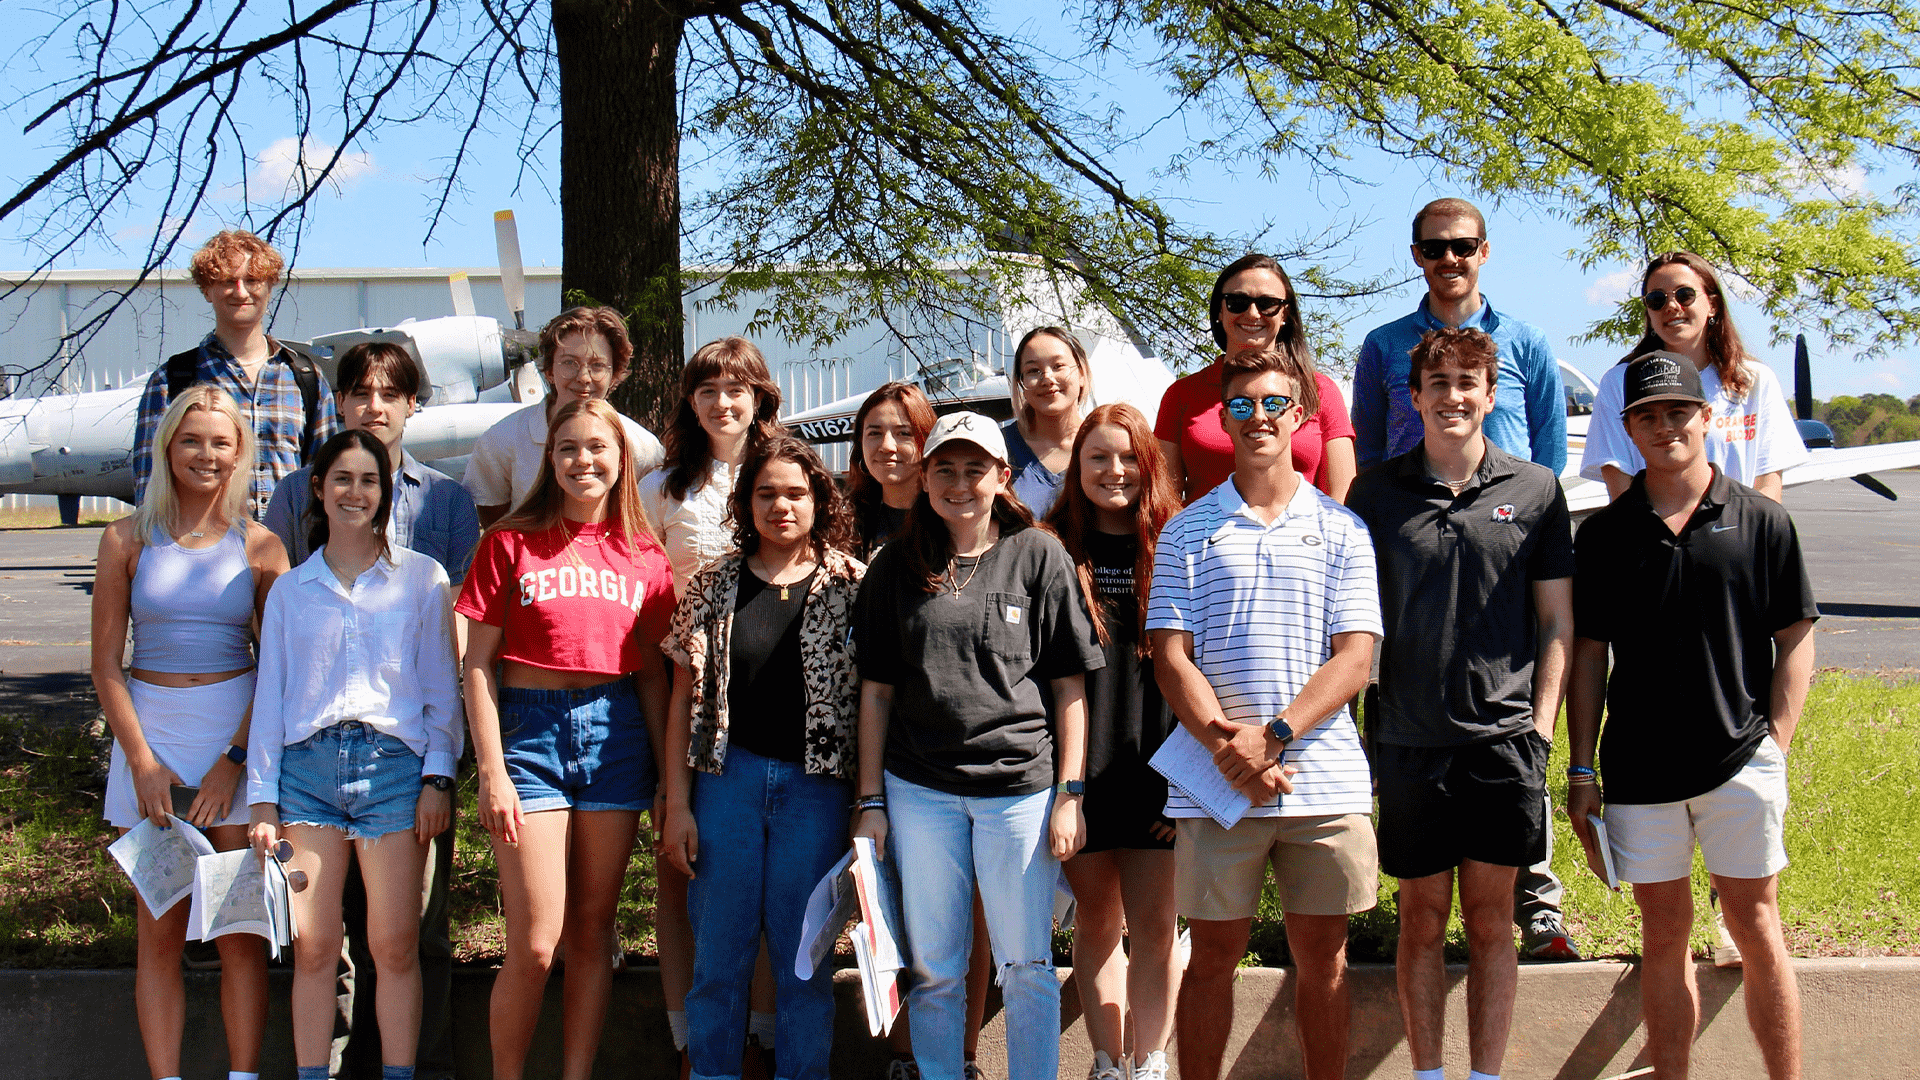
(1862,551)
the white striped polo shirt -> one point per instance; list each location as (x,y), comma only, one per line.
(1263,603)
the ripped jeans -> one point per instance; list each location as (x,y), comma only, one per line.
(943,843)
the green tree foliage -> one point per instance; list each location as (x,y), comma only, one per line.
(1870,419)
(895,140)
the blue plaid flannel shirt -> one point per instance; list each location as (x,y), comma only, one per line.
(273,406)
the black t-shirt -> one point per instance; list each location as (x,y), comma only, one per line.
(1456,589)
(878,524)
(765,689)
(966,668)
(1126,718)
(1691,619)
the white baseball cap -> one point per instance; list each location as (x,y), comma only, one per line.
(971,427)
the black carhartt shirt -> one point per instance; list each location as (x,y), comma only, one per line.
(1456,590)
(1691,619)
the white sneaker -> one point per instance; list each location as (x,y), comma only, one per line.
(1104,1068)
(1725,953)
(1151,1067)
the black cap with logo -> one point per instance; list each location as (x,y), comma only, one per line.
(1660,376)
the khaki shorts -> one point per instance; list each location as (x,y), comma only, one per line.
(1323,865)
(1740,826)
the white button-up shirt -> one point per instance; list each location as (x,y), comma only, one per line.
(505,463)
(695,530)
(380,653)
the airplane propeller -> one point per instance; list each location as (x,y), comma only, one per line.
(1814,433)
(513,279)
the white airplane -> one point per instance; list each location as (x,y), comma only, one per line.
(474,373)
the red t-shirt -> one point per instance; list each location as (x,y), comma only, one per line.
(1190,417)
(592,603)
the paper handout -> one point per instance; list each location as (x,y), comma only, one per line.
(160,862)
(1189,766)
(863,890)
(1612,874)
(233,893)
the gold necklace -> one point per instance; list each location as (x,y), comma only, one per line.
(770,574)
(959,587)
(579,564)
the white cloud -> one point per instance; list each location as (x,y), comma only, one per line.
(286,164)
(1612,288)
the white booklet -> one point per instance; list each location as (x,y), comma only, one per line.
(1189,766)
(233,893)
(160,862)
(1612,875)
(862,890)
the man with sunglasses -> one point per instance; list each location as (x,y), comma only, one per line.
(1264,611)
(1528,420)
(1476,561)
(1696,583)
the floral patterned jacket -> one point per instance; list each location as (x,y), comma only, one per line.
(700,639)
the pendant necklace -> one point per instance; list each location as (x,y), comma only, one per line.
(960,586)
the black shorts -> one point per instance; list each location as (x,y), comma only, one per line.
(1121,806)
(1440,805)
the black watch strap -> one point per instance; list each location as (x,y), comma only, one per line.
(237,755)
(437,783)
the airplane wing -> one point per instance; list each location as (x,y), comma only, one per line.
(1840,463)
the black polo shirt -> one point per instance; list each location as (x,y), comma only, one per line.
(1456,590)
(1691,619)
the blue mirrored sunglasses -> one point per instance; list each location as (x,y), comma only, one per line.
(1241,408)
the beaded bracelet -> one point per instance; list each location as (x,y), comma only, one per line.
(1580,770)
(870,802)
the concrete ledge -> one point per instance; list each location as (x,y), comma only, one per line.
(1571,1022)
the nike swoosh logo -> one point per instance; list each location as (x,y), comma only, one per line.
(1724,528)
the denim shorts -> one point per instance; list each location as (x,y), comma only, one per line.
(585,749)
(353,778)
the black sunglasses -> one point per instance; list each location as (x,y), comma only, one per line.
(1461,246)
(1237,302)
(1685,295)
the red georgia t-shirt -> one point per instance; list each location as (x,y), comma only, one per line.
(571,598)
(1190,418)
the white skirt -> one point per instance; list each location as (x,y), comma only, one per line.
(187,728)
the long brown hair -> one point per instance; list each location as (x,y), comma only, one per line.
(1073,516)
(689,451)
(540,511)
(832,518)
(862,489)
(323,459)
(1724,348)
(929,544)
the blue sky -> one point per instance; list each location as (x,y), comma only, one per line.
(376,217)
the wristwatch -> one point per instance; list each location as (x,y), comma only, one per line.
(237,755)
(437,783)
(1282,731)
(1070,787)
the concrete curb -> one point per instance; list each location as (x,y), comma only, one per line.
(1571,1022)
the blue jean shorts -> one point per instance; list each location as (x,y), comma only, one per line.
(581,749)
(353,778)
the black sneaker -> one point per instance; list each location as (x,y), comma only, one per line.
(1547,938)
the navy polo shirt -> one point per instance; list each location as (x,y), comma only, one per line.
(1691,619)
(1456,587)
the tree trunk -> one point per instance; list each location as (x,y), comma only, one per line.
(620,182)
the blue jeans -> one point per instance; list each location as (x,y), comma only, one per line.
(944,843)
(768,833)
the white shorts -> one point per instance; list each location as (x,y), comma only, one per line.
(1739,826)
(187,728)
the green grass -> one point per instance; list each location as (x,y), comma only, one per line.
(1853,835)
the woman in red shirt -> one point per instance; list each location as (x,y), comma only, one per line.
(1253,307)
(569,596)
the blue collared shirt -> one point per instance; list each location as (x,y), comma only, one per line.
(272,405)
(432,514)
(1529,417)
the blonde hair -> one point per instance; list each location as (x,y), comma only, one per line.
(162,502)
(540,510)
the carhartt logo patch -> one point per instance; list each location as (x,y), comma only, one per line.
(1014,614)
(1503,512)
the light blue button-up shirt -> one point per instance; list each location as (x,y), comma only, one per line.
(1529,417)
(432,514)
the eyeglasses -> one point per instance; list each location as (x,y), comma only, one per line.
(1461,246)
(1241,408)
(1685,295)
(571,369)
(1238,302)
(1034,376)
